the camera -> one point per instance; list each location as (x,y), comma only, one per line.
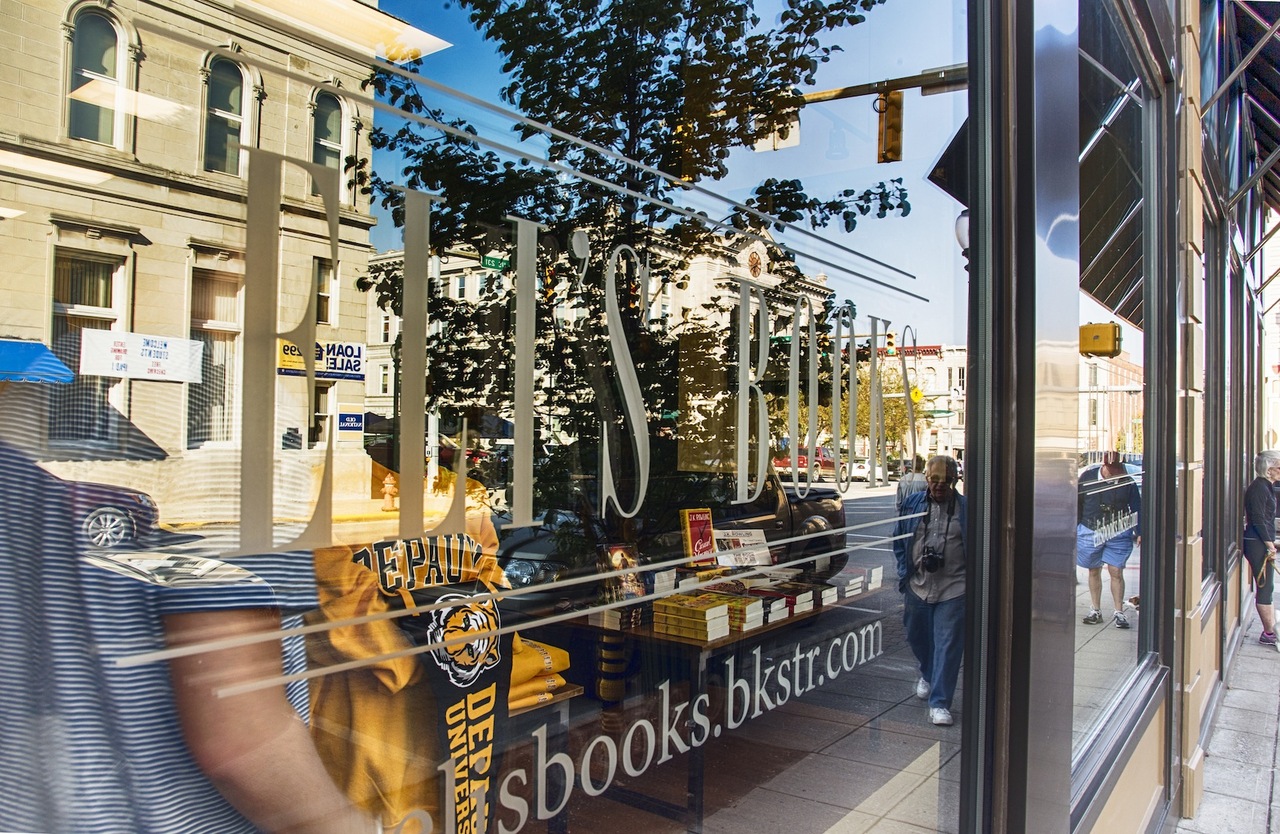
(930,559)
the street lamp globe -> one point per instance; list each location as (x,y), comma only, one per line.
(962,230)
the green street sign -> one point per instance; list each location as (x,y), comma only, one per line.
(939,412)
(489,262)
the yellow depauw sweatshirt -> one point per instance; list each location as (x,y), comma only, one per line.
(375,725)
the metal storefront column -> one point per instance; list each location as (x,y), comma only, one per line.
(1020,450)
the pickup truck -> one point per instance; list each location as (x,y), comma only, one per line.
(572,536)
(823,464)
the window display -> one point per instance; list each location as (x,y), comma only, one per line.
(579,512)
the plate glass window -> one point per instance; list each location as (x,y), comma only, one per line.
(95,79)
(224,125)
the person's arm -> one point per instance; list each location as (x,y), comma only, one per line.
(253,747)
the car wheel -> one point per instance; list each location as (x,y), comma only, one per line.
(844,474)
(108,527)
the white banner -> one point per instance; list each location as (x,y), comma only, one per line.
(138,356)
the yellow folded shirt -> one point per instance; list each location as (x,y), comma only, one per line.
(535,686)
(534,659)
(531,701)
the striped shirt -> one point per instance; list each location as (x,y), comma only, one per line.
(87,745)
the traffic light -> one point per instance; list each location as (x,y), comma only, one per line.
(1100,339)
(890,343)
(889,146)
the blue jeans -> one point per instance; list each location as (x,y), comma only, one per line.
(935,632)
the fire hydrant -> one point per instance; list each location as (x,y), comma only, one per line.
(389,493)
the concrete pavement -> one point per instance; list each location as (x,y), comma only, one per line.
(1241,788)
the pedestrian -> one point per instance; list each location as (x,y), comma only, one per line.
(1260,538)
(929,547)
(911,482)
(1108,527)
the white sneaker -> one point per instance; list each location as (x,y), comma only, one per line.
(940,716)
(922,689)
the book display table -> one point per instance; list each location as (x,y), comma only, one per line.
(695,657)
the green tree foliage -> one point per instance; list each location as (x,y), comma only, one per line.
(642,99)
(896,425)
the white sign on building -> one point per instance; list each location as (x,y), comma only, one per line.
(139,356)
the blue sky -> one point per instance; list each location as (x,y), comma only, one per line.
(901,38)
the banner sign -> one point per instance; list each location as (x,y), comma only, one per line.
(334,360)
(138,356)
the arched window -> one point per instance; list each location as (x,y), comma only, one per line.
(326,129)
(224,117)
(95,79)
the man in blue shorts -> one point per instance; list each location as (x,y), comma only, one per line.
(1109,504)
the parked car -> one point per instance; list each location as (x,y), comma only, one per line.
(821,466)
(858,470)
(108,516)
(563,554)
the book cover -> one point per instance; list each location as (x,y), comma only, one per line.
(699,536)
(622,580)
(173,570)
(743,606)
(699,606)
(742,547)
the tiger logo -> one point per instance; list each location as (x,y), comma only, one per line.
(464,662)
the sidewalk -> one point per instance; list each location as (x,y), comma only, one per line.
(1241,790)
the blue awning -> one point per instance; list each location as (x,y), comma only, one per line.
(22,361)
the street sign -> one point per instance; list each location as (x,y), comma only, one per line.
(491,262)
(917,396)
(940,412)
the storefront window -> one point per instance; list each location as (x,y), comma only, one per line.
(1114,241)
(598,461)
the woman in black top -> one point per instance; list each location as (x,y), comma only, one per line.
(1260,537)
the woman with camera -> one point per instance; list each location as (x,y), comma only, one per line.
(930,551)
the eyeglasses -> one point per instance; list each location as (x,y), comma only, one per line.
(942,480)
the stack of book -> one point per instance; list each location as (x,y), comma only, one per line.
(700,616)
(662,582)
(872,578)
(745,612)
(775,609)
(798,595)
(853,587)
(627,617)
(825,594)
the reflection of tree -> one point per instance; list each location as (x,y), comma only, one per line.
(896,425)
(663,93)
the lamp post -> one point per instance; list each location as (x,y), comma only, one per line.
(393,460)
